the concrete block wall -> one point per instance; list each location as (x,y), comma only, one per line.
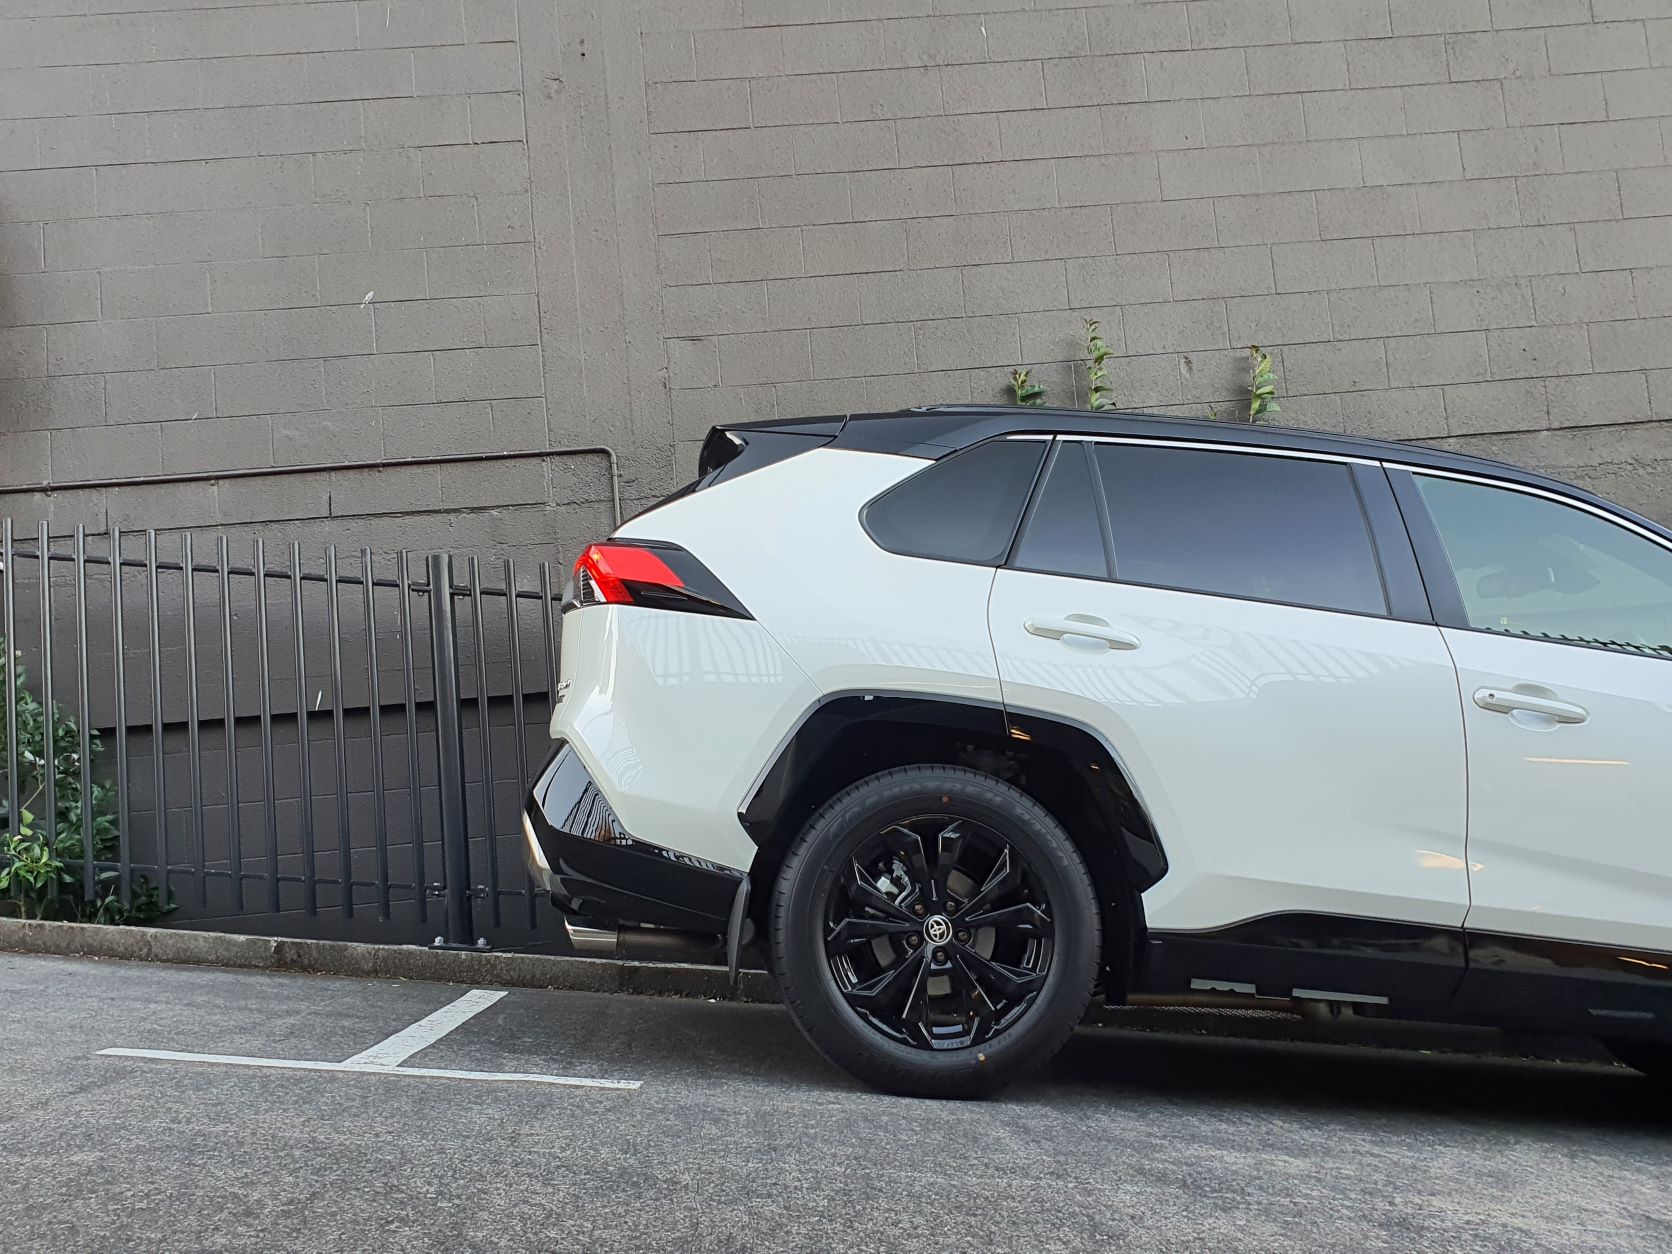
(243,236)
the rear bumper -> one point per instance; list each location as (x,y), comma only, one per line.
(579,852)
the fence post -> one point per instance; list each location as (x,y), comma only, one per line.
(455,827)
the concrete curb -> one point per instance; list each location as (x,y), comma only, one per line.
(387,962)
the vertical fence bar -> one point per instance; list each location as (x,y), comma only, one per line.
(455,822)
(484,735)
(8,588)
(49,750)
(415,792)
(514,643)
(229,725)
(339,739)
(124,838)
(158,788)
(264,665)
(549,630)
(194,768)
(89,871)
(374,705)
(304,749)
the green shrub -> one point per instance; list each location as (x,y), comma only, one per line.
(1023,390)
(1100,391)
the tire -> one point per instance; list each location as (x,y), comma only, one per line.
(1652,1058)
(1016,969)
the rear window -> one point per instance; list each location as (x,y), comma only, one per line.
(963,508)
(1243,525)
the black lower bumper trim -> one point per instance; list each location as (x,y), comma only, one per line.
(592,866)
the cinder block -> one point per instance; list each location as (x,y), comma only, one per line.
(698,106)
(1433,258)
(1195,75)
(854,247)
(804,201)
(510,320)
(1032,36)
(824,301)
(372,75)
(668,56)
(685,207)
(693,363)
(1339,19)
(1001,86)
(1412,158)
(1272,320)
(773,253)
(1152,127)
(741,53)
(872,95)
(1629,93)
(269,387)
(1513,251)
(489,21)
(1456,357)
(1556,98)
(208,339)
(431,221)
(415,123)
(1599,398)
(1355,366)
(795,100)
(1079,81)
(1597,46)
(1611,145)
(1150,27)
(1310,166)
(750,153)
(1538,352)
(47,195)
(1237,23)
(765,357)
(1431,17)
(1568,198)
(1253,120)
(719,309)
(1297,67)
(1519,405)
(217,444)
(1453,107)
(264,283)
(383,379)
(1653,288)
(1496,54)
(1037,234)
(352,278)
(325,331)
(1139,279)
(129,448)
(921,294)
(33,299)
(833,48)
(154,290)
(24,458)
(101,347)
(1207,172)
(1482,304)
(1643,344)
(1144,228)
(323,28)
(956,40)
(862,351)
(1515,150)
(1508,14)
(1323,266)
(882,194)
(109,243)
(159,395)
(967,342)
(675,158)
(496,118)
(1004,185)
(475,168)
(1182,326)
(413,326)
(1621,245)
(1204,272)
(303,230)
(1351,114)
(1467,205)
(1282,217)
(1363,313)
(1604,296)
(51,142)
(1396,62)
(1643,193)
(1051,133)
(48,404)
(22,356)
(1397,414)
(1015,287)
(935,242)
(409,23)
(490,270)
(845,146)
(1118,178)
(1357,212)
(22,247)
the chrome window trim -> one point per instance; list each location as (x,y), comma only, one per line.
(1214,446)
(1527,489)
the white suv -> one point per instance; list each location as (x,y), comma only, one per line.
(971,712)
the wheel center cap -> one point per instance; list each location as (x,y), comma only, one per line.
(938,929)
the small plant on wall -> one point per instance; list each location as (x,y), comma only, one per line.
(1023,390)
(1262,385)
(1099,388)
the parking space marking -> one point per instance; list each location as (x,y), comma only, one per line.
(385,1057)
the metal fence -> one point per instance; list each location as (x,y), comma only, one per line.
(336,751)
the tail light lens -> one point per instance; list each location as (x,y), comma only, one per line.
(648,573)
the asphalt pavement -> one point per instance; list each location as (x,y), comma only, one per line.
(739,1138)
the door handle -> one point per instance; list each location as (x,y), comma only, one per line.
(1083,625)
(1508,701)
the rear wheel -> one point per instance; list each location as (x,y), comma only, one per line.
(935,932)
(1652,1058)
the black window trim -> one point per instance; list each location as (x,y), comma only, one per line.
(1385,541)
(1436,566)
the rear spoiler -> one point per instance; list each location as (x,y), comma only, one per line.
(735,449)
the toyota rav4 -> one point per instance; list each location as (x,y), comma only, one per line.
(969,714)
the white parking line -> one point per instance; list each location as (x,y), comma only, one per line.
(385,1057)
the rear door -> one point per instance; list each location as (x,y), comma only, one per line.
(1224,620)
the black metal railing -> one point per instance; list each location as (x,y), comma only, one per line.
(336,751)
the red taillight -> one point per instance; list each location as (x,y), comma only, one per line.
(611,567)
(651,574)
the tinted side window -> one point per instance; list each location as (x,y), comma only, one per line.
(1529,566)
(1062,534)
(1267,528)
(961,509)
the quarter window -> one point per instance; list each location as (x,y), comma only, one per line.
(1267,528)
(963,508)
(1529,566)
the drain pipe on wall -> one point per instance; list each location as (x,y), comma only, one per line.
(314,468)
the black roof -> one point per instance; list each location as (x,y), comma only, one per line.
(933,431)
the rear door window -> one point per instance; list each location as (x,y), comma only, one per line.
(1265,528)
(963,508)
